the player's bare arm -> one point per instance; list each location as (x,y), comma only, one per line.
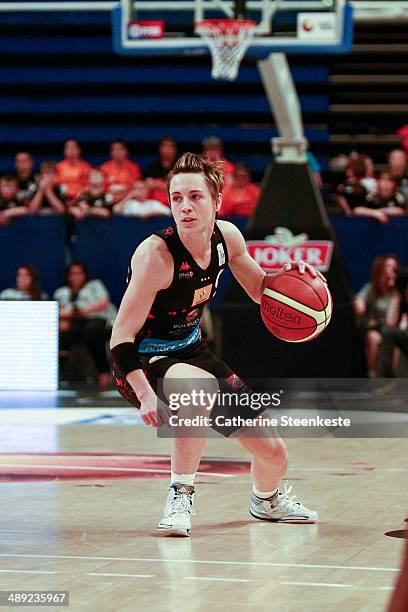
(245,269)
(152,270)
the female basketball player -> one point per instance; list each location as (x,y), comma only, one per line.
(174,274)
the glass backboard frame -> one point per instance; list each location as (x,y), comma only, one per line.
(262,45)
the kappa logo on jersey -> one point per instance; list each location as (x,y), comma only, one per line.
(185,270)
(201,295)
(221,254)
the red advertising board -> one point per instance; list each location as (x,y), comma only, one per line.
(283,246)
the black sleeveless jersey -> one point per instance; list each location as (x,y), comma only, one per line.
(174,319)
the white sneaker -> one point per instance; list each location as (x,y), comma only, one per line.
(281,508)
(176,519)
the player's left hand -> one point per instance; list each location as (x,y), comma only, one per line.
(303,267)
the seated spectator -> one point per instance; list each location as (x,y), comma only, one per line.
(159,168)
(240,197)
(369,181)
(386,198)
(375,306)
(86,314)
(353,197)
(395,336)
(72,172)
(48,197)
(138,204)
(397,167)
(120,172)
(352,193)
(10,206)
(28,285)
(340,163)
(27,181)
(213,150)
(94,202)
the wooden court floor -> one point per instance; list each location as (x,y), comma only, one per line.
(93,532)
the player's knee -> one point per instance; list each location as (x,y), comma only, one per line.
(272,450)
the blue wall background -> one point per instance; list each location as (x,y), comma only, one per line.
(107,246)
(61,79)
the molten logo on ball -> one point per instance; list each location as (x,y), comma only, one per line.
(276,313)
(296,307)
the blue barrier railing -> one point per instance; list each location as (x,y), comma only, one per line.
(107,246)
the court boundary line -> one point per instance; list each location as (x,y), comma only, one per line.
(336,585)
(205,579)
(204,562)
(120,575)
(16,571)
(218,579)
(92,468)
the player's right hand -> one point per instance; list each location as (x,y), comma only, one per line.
(153,411)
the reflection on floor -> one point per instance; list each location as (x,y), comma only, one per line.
(80,504)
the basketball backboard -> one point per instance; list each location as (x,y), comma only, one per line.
(162,27)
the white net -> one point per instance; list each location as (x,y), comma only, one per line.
(228,40)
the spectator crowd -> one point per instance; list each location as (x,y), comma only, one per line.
(74,187)
(366,191)
(119,186)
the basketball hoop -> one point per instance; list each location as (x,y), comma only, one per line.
(228,40)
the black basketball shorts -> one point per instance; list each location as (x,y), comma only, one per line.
(156,366)
(200,356)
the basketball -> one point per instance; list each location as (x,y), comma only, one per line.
(296,307)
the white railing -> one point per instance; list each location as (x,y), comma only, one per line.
(25,7)
(171,5)
(378,10)
(389,10)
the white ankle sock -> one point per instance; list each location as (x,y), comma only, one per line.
(185,479)
(264,494)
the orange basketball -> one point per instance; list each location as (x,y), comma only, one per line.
(296,307)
